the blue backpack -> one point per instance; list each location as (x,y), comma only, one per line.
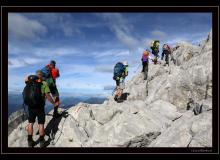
(47,76)
(46,73)
(119,69)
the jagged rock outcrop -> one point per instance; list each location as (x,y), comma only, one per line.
(15,119)
(157,112)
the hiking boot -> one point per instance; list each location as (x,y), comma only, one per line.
(116,98)
(31,143)
(119,100)
(44,143)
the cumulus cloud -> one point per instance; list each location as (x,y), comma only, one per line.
(104,69)
(70,83)
(55,51)
(68,28)
(112,53)
(23,28)
(159,34)
(16,83)
(121,28)
(61,22)
(109,87)
(70,69)
(22,62)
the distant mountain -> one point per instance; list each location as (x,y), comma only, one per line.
(15,101)
(95,100)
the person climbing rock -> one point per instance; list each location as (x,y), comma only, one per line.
(34,94)
(50,73)
(145,62)
(167,52)
(155,49)
(172,57)
(120,72)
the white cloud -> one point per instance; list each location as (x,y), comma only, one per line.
(109,87)
(43,53)
(63,22)
(22,62)
(126,39)
(104,69)
(56,51)
(122,29)
(70,69)
(160,35)
(68,28)
(23,28)
(72,84)
(15,82)
(112,53)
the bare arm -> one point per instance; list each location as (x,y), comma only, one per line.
(55,104)
(50,99)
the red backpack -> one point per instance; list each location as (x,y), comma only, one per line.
(55,73)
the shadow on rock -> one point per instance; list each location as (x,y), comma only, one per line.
(52,126)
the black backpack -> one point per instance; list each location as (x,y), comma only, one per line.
(32,94)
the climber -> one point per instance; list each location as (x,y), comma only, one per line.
(145,63)
(120,72)
(34,94)
(155,49)
(172,57)
(50,73)
(167,52)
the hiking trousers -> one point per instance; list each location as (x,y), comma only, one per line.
(155,52)
(166,53)
(145,69)
(120,84)
(38,113)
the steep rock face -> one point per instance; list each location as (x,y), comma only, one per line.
(153,115)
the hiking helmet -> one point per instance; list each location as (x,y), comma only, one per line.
(125,63)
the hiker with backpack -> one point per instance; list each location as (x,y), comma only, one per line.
(50,73)
(167,52)
(34,94)
(120,72)
(145,62)
(155,49)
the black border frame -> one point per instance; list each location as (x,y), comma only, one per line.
(4,52)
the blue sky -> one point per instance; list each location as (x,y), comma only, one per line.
(86,46)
